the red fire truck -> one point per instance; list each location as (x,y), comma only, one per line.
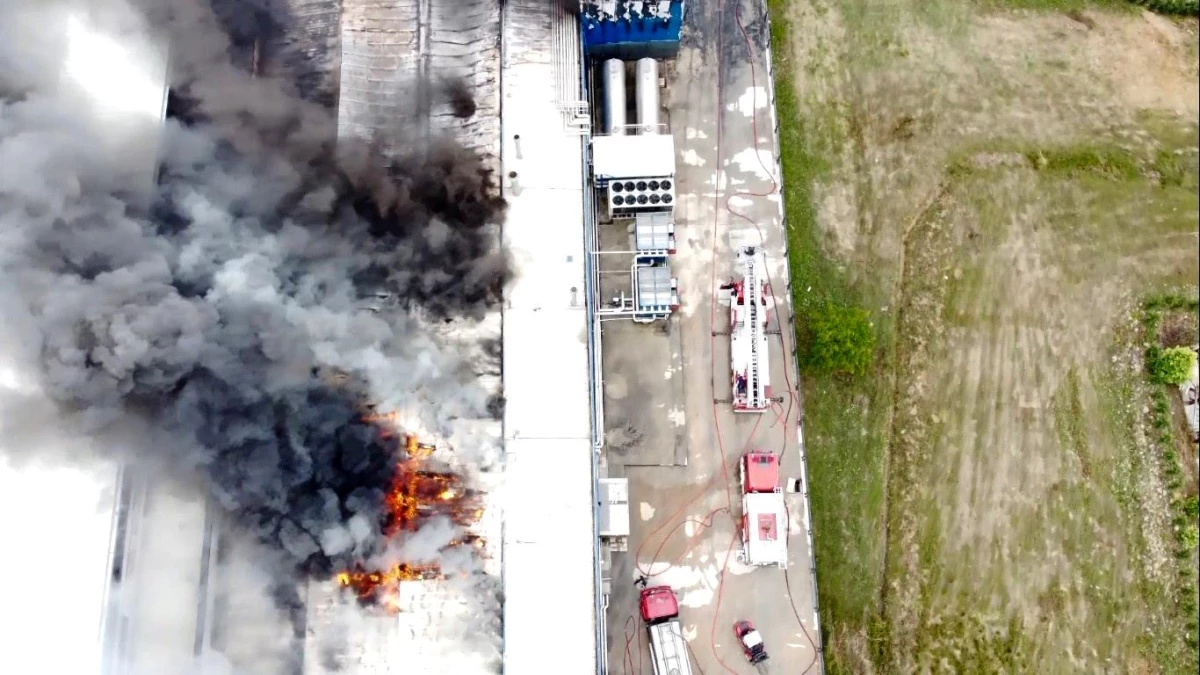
(764,518)
(748,316)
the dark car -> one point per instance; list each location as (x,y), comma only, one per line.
(751,642)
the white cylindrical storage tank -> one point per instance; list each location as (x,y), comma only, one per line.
(614,97)
(647,95)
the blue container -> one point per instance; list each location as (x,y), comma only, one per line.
(630,30)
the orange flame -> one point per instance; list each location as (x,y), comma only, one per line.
(416,493)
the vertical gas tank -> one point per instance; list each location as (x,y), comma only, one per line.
(647,96)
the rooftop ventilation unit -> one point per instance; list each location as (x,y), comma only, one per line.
(654,235)
(628,197)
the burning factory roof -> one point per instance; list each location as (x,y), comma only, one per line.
(418,493)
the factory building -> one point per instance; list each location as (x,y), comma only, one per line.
(540,68)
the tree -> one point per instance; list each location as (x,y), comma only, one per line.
(1172,365)
(838,339)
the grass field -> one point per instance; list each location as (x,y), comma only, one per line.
(999,184)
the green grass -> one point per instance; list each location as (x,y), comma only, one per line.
(1055,5)
(845,417)
(1079,161)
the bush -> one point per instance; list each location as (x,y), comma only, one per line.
(1175,7)
(1189,537)
(1191,507)
(838,339)
(1172,365)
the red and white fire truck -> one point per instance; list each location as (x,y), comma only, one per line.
(668,648)
(748,315)
(764,518)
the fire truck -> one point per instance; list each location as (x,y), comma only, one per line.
(764,518)
(668,648)
(748,315)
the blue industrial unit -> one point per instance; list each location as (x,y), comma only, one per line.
(631,29)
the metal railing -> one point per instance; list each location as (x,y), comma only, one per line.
(658,129)
(591,293)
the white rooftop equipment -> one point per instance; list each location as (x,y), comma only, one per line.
(628,157)
(655,294)
(748,333)
(654,235)
(636,171)
(656,288)
(648,194)
(614,512)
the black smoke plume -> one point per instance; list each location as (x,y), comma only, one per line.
(219,310)
(458,95)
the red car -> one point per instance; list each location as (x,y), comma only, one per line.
(751,642)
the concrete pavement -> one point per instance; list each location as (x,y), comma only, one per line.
(663,384)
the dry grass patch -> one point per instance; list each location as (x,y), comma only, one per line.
(998,189)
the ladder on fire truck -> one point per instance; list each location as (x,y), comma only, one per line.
(753,292)
(668,649)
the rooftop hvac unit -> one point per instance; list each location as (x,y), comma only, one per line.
(654,234)
(630,196)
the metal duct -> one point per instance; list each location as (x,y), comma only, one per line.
(614,97)
(647,96)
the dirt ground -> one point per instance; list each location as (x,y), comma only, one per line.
(1000,188)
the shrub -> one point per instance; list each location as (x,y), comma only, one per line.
(1172,365)
(1191,507)
(838,339)
(1189,537)
(1175,7)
